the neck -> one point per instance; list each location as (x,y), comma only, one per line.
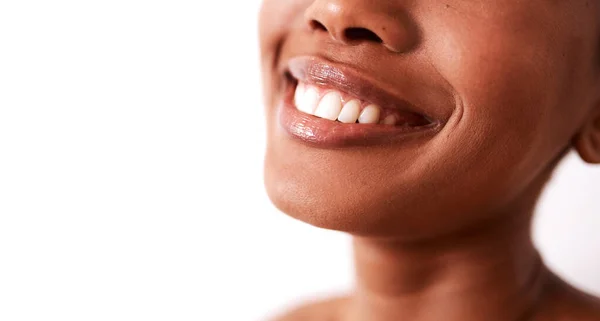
(491,272)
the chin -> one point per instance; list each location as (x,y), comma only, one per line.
(313,186)
(318,193)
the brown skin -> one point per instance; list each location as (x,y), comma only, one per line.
(442,223)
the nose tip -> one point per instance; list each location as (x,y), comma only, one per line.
(356,21)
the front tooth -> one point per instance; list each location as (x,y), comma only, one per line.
(300,90)
(370,115)
(308,101)
(350,112)
(330,106)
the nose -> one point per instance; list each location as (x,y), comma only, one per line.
(356,21)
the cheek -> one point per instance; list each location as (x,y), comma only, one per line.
(510,89)
(513,91)
(277,18)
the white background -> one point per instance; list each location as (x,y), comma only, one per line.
(131,146)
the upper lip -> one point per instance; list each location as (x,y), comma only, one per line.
(342,77)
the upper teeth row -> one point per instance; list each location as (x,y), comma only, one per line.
(308,99)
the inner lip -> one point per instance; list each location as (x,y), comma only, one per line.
(323,74)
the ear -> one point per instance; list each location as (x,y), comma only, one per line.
(587,141)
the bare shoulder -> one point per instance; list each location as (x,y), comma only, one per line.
(324,310)
(565,303)
(562,303)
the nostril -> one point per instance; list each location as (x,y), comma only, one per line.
(357,34)
(315,25)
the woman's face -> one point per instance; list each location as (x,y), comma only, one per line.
(485,97)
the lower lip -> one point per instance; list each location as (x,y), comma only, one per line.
(325,133)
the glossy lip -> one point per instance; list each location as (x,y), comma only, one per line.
(330,134)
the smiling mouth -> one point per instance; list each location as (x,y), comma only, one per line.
(331,106)
(334,105)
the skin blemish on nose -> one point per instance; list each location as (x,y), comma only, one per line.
(333,8)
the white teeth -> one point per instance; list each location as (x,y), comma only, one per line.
(370,115)
(330,106)
(350,112)
(389,120)
(299,95)
(306,98)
